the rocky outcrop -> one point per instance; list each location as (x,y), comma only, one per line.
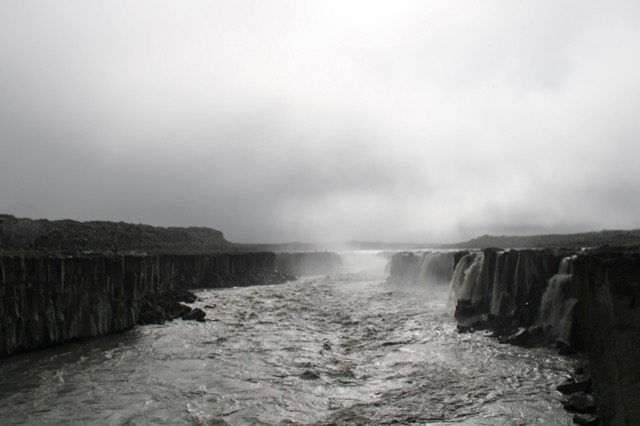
(608,309)
(47,300)
(156,308)
(308,263)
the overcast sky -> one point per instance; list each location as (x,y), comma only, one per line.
(273,121)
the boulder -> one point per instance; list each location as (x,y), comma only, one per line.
(580,402)
(573,387)
(195,314)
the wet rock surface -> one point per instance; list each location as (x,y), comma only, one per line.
(586,420)
(580,402)
(194,314)
(575,386)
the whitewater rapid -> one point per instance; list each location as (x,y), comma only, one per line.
(345,349)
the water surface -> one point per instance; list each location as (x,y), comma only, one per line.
(344,349)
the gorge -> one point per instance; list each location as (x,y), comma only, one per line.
(578,300)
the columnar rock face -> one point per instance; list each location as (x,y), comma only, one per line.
(308,263)
(517,291)
(609,314)
(49,300)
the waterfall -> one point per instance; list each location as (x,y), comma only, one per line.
(437,268)
(365,262)
(498,290)
(429,269)
(464,284)
(506,282)
(558,302)
(308,263)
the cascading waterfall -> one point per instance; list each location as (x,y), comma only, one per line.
(365,262)
(431,269)
(498,293)
(437,268)
(504,285)
(464,284)
(308,263)
(558,302)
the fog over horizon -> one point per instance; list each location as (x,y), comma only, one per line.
(277,121)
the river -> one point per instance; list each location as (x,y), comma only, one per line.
(348,348)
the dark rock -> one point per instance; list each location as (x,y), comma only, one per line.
(181,295)
(579,371)
(151,314)
(586,420)
(309,375)
(609,313)
(195,314)
(175,309)
(536,336)
(573,387)
(462,328)
(526,337)
(520,337)
(580,403)
(565,348)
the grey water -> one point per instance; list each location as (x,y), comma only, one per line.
(348,348)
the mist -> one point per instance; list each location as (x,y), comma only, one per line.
(307,121)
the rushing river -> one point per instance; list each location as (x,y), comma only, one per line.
(343,349)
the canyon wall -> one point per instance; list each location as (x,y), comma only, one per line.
(525,296)
(608,309)
(47,300)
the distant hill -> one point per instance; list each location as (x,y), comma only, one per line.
(18,234)
(617,238)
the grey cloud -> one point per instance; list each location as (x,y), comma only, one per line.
(321,121)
